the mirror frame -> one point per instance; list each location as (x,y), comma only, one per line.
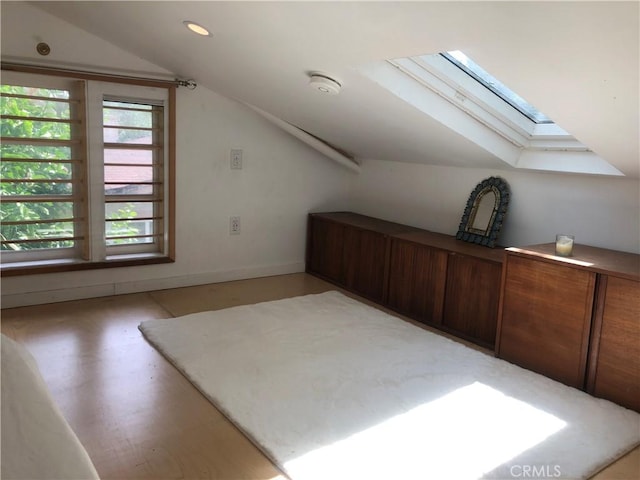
(488,237)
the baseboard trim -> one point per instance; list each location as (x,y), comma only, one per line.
(147,285)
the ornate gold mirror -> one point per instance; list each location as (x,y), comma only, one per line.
(485,211)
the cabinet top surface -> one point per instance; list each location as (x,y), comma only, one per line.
(450,243)
(415,235)
(600,260)
(364,222)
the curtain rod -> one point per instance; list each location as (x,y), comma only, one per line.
(105,77)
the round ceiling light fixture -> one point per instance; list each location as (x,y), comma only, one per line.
(196,28)
(324,84)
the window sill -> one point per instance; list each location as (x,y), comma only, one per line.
(56,266)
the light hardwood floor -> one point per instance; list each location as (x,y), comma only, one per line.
(136,415)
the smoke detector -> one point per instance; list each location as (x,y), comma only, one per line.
(324,84)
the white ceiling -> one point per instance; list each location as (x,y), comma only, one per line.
(578,62)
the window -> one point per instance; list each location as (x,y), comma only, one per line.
(133,173)
(84,173)
(487,80)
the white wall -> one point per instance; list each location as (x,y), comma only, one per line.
(599,211)
(281,181)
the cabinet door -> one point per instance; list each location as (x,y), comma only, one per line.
(546,318)
(472,297)
(417,281)
(364,260)
(615,361)
(326,244)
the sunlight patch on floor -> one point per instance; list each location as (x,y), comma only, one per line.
(463,434)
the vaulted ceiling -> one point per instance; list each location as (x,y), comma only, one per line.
(578,62)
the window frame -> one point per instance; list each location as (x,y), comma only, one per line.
(93,253)
(156,166)
(498,88)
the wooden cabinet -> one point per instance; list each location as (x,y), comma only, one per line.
(430,277)
(364,271)
(472,297)
(351,251)
(446,283)
(576,319)
(546,318)
(615,344)
(325,244)
(417,276)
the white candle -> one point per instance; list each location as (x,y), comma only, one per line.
(564,245)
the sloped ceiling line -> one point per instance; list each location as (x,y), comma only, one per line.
(310,140)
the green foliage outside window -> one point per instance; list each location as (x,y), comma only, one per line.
(56,176)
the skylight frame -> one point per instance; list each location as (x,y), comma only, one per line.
(436,87)
(442,77)
(484,78)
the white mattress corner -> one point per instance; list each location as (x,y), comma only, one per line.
(37,441)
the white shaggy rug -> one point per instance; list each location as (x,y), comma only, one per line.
(330,388)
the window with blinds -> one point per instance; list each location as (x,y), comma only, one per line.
(41,173)
(133,175)
(85,172)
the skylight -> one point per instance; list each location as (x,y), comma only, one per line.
(451,89)
(475,71)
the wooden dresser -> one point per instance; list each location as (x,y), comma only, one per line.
(447,283)
(430,277)
(575,319)
(351,250)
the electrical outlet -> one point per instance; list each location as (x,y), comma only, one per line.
(236,159)
(234,225)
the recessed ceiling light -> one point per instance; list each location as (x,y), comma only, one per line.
(195,28)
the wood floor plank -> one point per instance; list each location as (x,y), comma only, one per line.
(201,298)
(137,416)
(625,468)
